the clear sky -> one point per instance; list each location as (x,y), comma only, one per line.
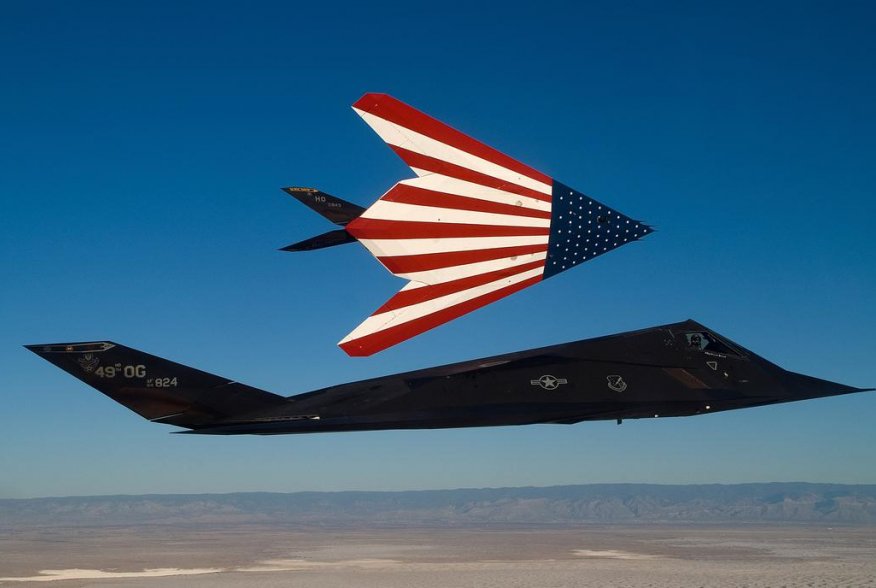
(143,150)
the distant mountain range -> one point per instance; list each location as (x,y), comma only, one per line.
(596,503)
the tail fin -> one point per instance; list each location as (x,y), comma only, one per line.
(155,388)
(329,239)
(334,209)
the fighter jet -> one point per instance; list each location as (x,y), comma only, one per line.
(680,369)
(473,227)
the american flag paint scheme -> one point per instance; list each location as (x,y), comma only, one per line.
(474,226)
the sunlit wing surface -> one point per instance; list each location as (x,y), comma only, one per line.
(474,226)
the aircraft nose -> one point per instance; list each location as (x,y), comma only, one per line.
(801,386)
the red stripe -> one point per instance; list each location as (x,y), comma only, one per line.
(392,110)
(373,228)
(422,197)
(432,164)
(402,264)
(424,293)
(371,344)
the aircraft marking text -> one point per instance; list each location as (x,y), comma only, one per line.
(127,371)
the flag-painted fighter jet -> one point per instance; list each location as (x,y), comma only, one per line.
(680,369)
(474,226)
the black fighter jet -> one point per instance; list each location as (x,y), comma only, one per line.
(680,369)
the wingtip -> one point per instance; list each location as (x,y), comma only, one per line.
(370,97)
(354,350)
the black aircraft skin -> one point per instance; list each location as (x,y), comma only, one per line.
(681,369)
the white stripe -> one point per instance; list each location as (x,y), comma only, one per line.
(441,183)
(393,247)
(456,272)
(424,172)
(412,286)
(402,211)
(379,322)
(400,136)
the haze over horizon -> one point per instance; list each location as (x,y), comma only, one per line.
(147,145)
(605,503)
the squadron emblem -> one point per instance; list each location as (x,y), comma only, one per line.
(616,383)
(88,362)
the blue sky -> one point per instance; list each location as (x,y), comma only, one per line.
(145,145)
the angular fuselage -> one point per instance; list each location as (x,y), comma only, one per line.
(681,369)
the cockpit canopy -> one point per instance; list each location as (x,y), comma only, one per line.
(708,343)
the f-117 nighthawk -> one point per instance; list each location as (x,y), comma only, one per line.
(680,369)
(473,227)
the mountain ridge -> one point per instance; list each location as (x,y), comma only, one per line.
(568,504)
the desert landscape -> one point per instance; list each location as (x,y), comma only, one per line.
(625,536)
(598,556)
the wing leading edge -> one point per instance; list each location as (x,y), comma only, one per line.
(474,226)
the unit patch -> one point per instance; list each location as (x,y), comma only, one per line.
(616,383)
